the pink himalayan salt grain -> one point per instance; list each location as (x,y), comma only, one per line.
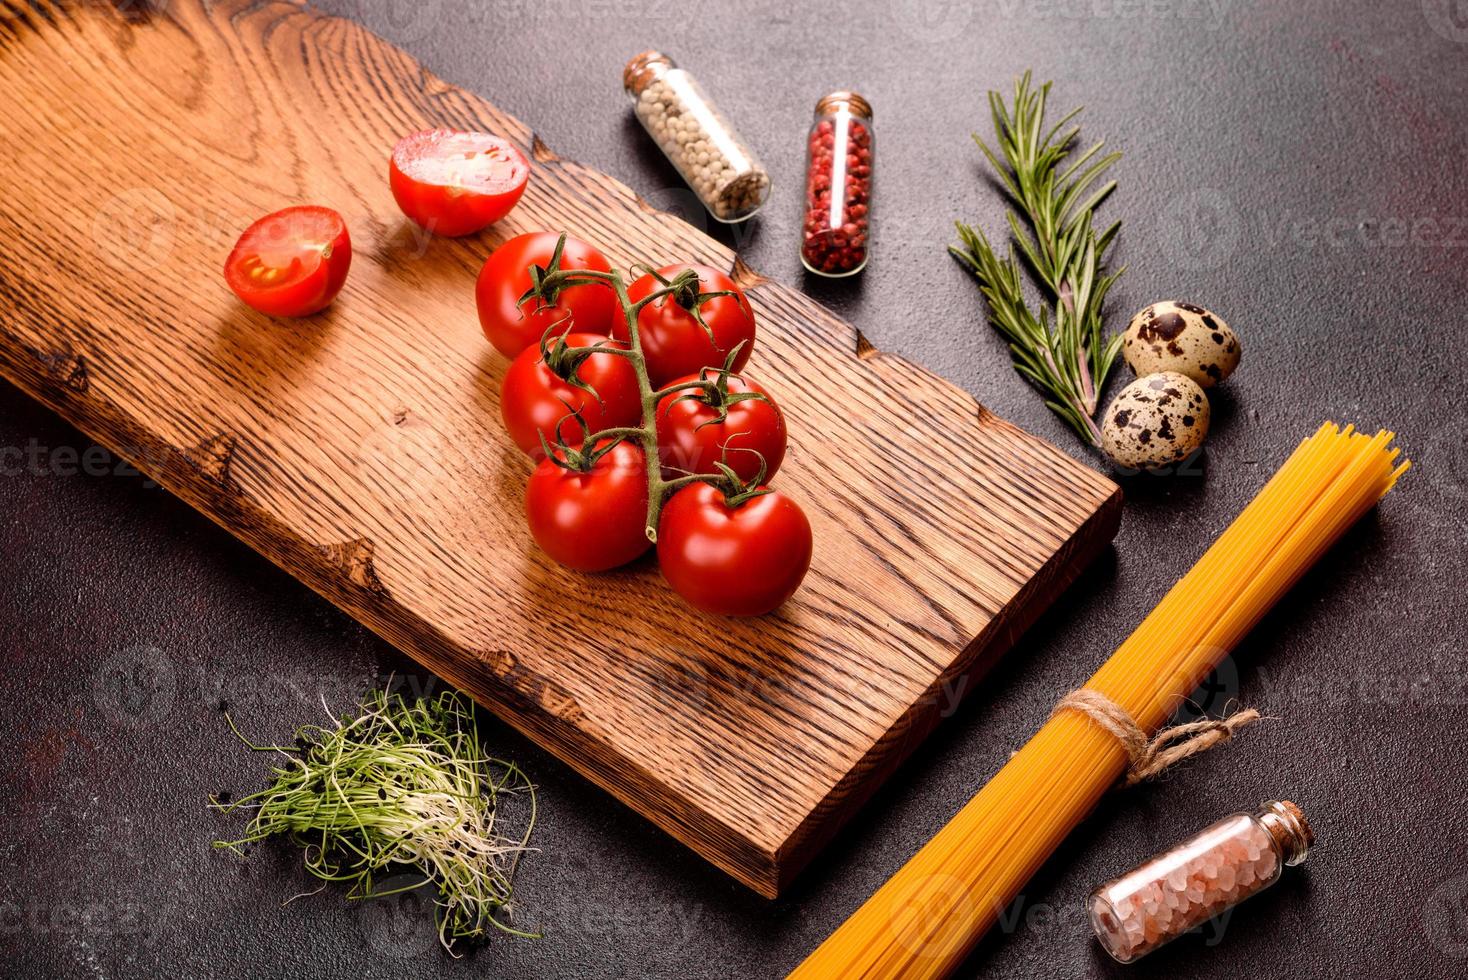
(1194,891)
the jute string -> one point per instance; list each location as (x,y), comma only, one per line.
(1168,747)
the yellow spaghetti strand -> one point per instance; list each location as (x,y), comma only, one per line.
(929,915)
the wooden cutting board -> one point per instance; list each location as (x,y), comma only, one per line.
(361,449)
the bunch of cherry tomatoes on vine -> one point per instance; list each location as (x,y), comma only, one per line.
(629,396)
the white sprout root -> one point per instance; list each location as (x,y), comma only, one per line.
(400,785)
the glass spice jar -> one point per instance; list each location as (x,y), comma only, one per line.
(696,137)
(1182,888)
(836,234)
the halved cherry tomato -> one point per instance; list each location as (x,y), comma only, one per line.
(674,343)
(739,561)
(535,400)
(456,183)
(506,277)
(292,262)
(692,440)
(593,520)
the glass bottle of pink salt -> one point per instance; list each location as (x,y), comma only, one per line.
(1184,887)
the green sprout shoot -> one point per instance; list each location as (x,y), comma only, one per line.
(399,786)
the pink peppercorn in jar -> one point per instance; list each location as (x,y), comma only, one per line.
(1182,888)
(836,234)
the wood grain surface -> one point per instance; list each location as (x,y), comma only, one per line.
(361,449)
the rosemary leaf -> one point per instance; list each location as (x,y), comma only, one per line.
(1062,350)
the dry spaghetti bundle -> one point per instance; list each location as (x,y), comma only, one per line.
(927,917)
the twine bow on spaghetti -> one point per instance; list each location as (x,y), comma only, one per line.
(1149,757)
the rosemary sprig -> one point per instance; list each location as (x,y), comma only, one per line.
(400,785)
(1062,350)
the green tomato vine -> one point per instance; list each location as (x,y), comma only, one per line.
(564,360)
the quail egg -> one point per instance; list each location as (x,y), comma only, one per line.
(1181,337)
(1155,421)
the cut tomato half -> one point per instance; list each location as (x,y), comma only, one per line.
(292,262)
(454,183)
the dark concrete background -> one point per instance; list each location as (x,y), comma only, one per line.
(1296,168)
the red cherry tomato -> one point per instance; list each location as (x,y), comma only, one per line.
(691,439)
(741,561)
(455,183)
(506,276)
(673,341)
(534,399)
(292,262)
(595,520)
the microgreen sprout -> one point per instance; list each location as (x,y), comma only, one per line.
(401,785)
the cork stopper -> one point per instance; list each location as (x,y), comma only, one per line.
(643,68)
(847,100)
(1286,823)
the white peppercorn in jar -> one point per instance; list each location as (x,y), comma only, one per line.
(1212,871)
(696,137)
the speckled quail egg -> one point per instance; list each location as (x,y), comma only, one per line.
(1181,337)
(1155,421)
